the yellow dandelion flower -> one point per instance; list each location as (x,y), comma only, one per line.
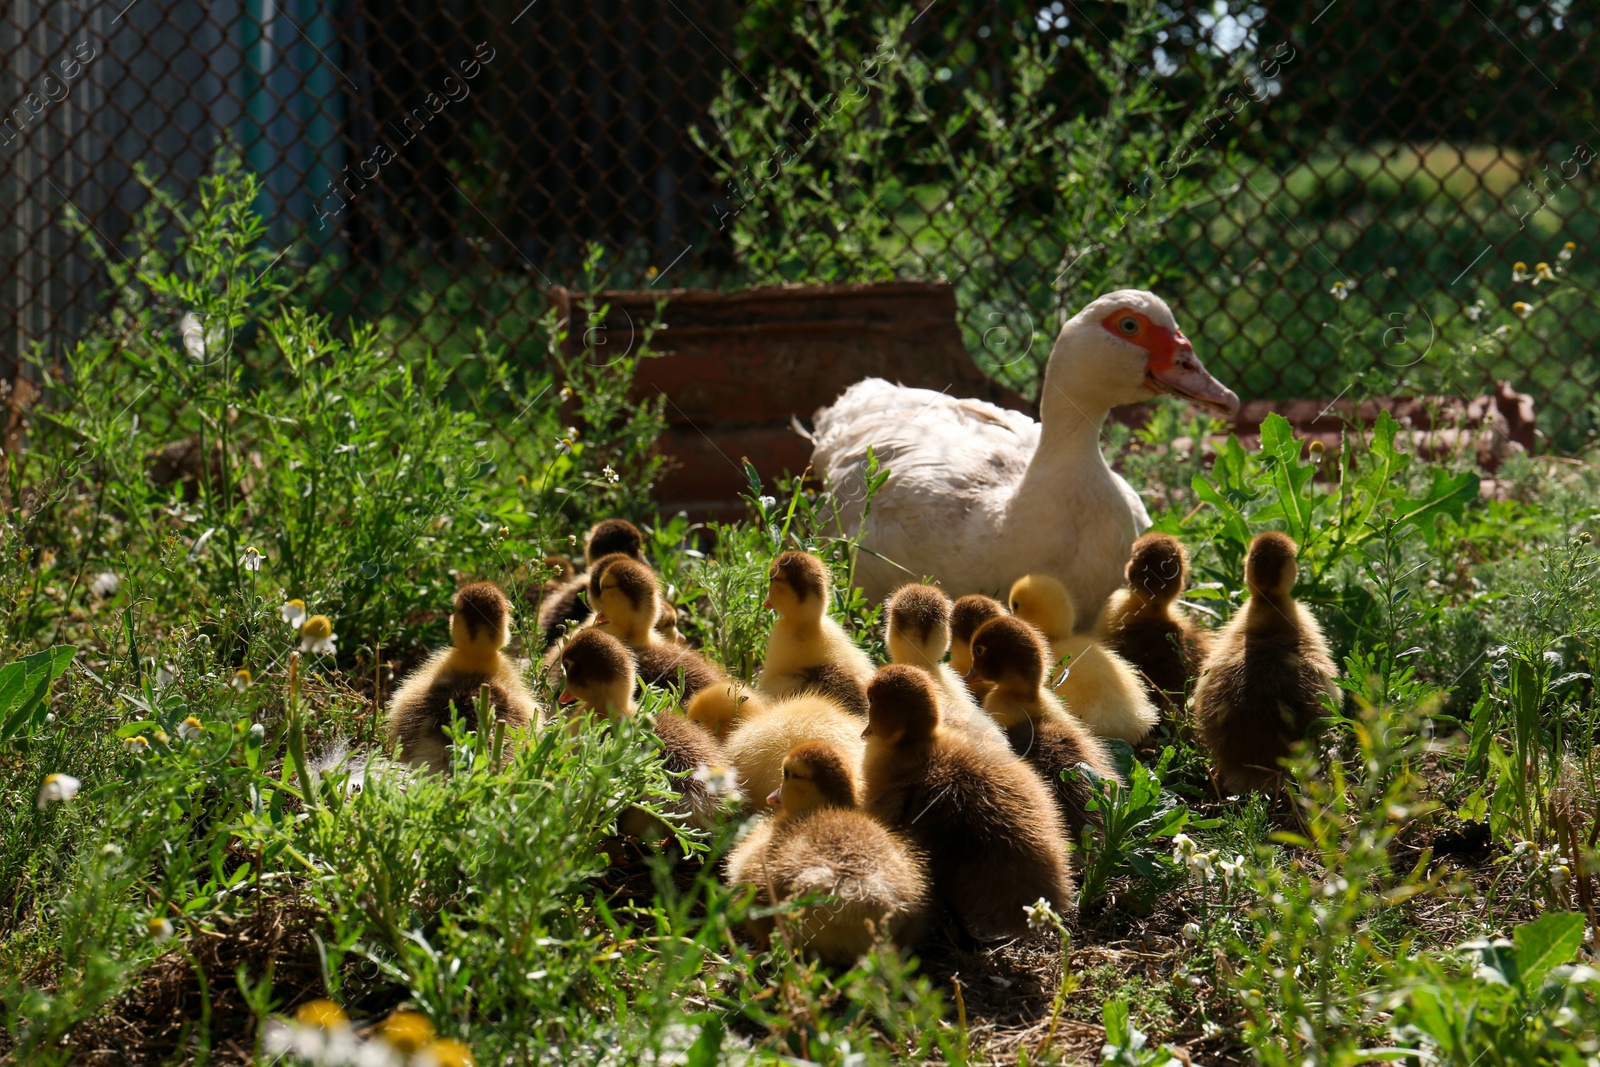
(407,1031)
(322,1014)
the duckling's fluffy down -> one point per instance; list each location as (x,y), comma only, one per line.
(876,880)
(758,744)
(425,704)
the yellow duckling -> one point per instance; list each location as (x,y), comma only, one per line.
(966,615)
(994,840)
(627,604)
(599,674)
(758,732)
(1011,656)
(1261,688)
(562,607)
(1099,686)
(1143,624)
(917,630)
(818,843)
(447,685)
(807,648)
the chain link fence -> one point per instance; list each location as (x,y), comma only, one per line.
(1335,197)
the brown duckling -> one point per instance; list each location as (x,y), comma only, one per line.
(917,630)
(627,603)
(447,685)
(966,615)
(562,607)
(1261,687)
(758,732)
(818,843)
(994,840)
(1011,656)
(1099,686)
(1143,624)
(807,649)
(599,673)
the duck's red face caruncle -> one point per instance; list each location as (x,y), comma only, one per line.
(1171,367)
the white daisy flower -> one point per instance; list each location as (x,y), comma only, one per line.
(316,635)
(1473,311)
(1191,931)
(1522,309)
(1543,273)
(105,584)
(1519,272)
(719,781)
(257,732)
(189,729)
(57,788)
(1502,331)
(1041,916)
(240,679)
(159,929)
(610,475)
(251,559)
(1340,291)
(293,612)
(768,503)
(137,744)
(1566,251)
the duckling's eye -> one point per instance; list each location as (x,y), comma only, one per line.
(980,650)
(1128,325)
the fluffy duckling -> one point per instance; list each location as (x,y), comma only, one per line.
(819,843)
(918,634)
(627,603)
(758,732)
(994,841)
(562,607)
(966,615)
(1099,686)
(1261,687)
(447,685)
(807,648)
(599,673)
(1011,656)
(1143,624)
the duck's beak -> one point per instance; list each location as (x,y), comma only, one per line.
(601,620)
(566,697)
(1176,370)
(767,603)
(867,732)
(775,798)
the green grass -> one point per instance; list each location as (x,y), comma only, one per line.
(213,879)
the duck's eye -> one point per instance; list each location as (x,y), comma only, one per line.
(1128,325)
(980,650)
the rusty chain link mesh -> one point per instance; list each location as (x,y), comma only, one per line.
(450,163)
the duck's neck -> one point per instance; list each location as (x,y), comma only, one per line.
(1266,613)
(800,626)
(473,659)
(1010,704)
(1069,436)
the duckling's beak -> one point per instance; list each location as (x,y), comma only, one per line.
(600,619)
(1175,369)
(867,732)
(767,603)
(972,674)
(566,697)
(775,798)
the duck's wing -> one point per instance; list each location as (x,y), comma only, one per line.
(1141,517)
(950,460)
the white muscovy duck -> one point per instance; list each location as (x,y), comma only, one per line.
(978,496)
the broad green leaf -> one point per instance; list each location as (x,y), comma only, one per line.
(1549,940)
(1448,495)
(1280,450)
